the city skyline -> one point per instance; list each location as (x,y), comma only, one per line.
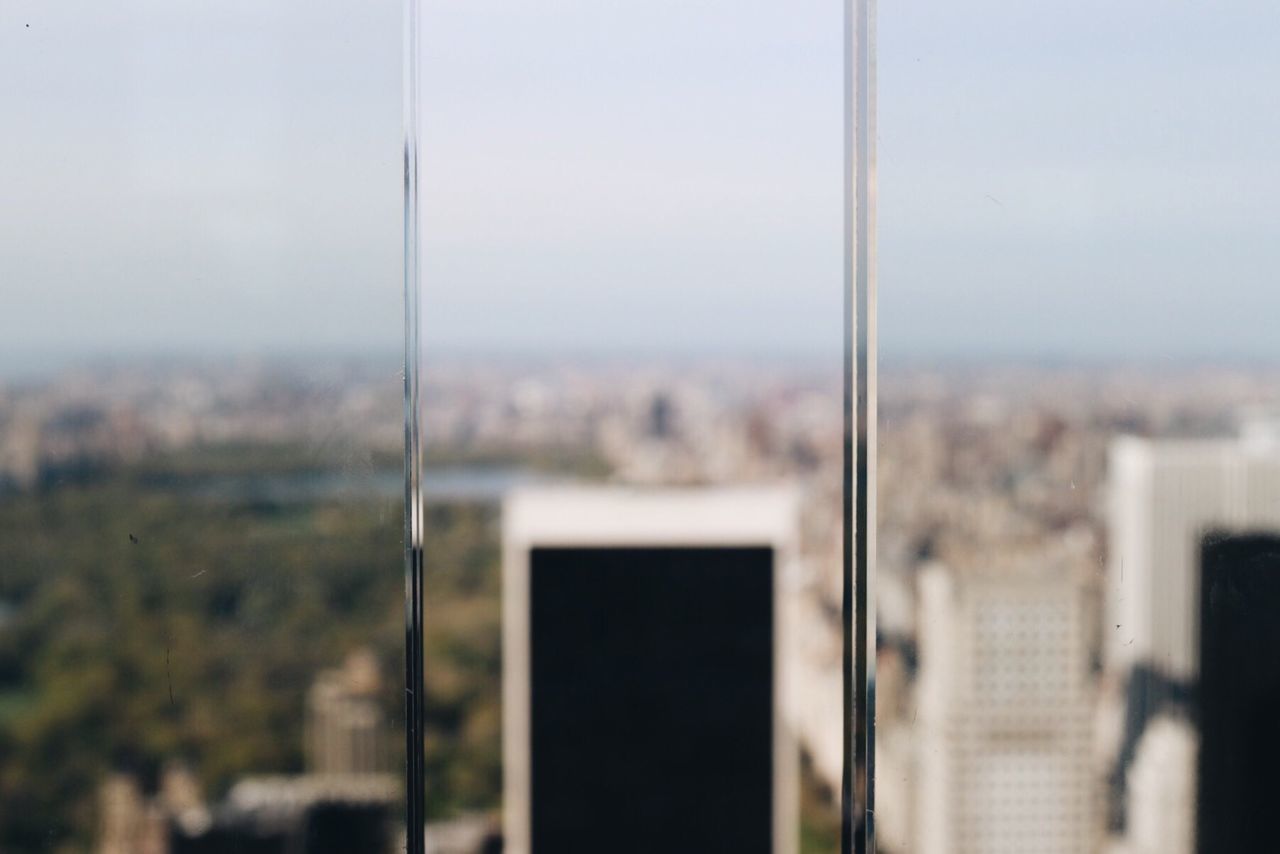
(996,475)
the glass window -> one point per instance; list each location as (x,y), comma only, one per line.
(1077,517)
(630,222)
(201,593)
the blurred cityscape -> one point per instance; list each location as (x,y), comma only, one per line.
(201,594)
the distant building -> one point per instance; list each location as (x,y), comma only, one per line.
(128,822)
(1238,698)
(642,672)
(1162,790)
(344,727)
(311,814)
(347,803)
(1166,497)
(660,423)
(1004,732)
(467,835)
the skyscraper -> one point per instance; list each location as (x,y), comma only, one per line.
(1005,713)
(642,672)
(344,724)
(1166,497)
(1161,789)
(1238,701)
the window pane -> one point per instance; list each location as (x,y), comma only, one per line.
(1076,501)
(630,251)
(200,427)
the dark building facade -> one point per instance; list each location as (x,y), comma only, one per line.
(1238,697)
(652,700)
(642,673)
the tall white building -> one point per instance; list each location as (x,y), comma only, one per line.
(644,674)
(344,727)
(1005,715)
(1162,790)
(1165,496)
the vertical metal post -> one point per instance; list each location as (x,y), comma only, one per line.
(858,796)
(415,760)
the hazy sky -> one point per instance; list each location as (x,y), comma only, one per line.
(1078,178)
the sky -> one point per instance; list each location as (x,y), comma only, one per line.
(1078,179)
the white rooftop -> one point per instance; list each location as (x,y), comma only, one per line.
(626,515)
